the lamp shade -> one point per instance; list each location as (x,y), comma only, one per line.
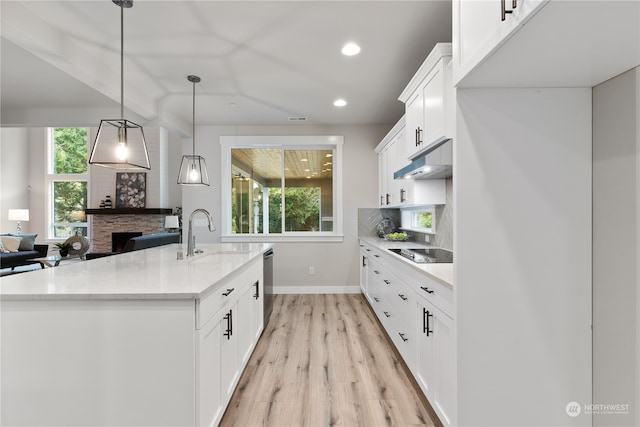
(193,171)
(18,214)
(171,221)
(120,144)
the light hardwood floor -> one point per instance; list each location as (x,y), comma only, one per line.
(324,360)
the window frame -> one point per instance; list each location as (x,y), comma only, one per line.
(51,178)
(320,142)
(409,219)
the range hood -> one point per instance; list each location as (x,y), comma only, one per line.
(434,163)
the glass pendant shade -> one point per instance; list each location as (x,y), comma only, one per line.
(193,171)
(120,144)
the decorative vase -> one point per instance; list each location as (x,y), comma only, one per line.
(107,202)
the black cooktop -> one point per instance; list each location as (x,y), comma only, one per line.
(426,256)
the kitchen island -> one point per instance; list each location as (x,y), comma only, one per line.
(139,338)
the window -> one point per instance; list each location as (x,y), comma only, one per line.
(67,182)
(281,188)
(421,219)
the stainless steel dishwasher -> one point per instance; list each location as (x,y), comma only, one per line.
(268,285)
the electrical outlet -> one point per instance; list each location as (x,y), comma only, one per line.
(312,271)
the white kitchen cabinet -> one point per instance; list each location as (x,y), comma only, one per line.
(435,368)
(400,297)
(428,97)
(480,27)
(250,309)
(210,402)
(229,357)
(364,269)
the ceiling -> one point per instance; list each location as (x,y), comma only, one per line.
(261,62)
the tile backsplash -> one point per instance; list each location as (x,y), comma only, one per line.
(368,219)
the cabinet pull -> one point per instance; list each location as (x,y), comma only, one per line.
(228,292)
(368,250)
(503,9)
(427,290)
(229,331)
(257,285)
(514,4)
(386,314)
(402,297)
(381,200)
(403,193)
(419,137)
(376,255)
(376,271)
(388,201)
(386,281)
(364,261)
(403,338)
(376,299)
(425,321)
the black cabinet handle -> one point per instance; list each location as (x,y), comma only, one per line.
(403,338)
(230,322)
(425,321)
(257,294)
(368,250)
(388,195)
(403,193)
(514,4)
(427,290)
(503,10)
(376,271)
(376,255)
(228,292)
(418,137)
(229,332)
(402,297)
(381,200)
(376,299)
(364,261)
(386,281)
(386,314)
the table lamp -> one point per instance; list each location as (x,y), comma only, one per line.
(171,222)
(19,215)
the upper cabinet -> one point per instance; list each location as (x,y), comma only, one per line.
(428,103)
(543,43)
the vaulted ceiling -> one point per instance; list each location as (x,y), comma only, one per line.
(261,62)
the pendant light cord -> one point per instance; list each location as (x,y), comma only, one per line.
(193,138)
(122,60)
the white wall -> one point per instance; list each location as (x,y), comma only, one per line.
(14,176)
(616,255)
(522,237)
(336,264)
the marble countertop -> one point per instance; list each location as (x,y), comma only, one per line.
(147,274)
(440,272)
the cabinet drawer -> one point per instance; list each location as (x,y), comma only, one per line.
(228,291)
(424,286)
(402,300)
(404,338)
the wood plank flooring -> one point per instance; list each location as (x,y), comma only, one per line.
(324,360)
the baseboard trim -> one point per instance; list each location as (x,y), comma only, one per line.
(317,290)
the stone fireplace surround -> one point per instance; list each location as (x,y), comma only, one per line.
(106,221)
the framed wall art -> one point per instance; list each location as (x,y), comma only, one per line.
(131,189)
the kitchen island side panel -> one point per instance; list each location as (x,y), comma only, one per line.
(523,256)
(98,362)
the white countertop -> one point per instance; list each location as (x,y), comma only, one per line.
(147,274)
(440,272)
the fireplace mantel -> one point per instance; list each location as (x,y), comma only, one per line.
(130,211)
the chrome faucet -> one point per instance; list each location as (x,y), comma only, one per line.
(191,242)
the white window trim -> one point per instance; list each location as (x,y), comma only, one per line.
(323,142)
(50,178)
(408,219)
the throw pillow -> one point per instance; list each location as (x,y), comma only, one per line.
(1,248)
(27,242)
(10,243)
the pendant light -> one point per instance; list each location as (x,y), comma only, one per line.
(193,169)
(120,143)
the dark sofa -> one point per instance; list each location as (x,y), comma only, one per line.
(141,242)
(26,252)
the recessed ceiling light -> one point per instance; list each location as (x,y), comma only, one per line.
(350,49)
(304,160)
(340,102)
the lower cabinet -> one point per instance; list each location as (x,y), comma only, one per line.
(416,311)
(435,366)
(225,343)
